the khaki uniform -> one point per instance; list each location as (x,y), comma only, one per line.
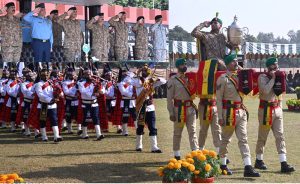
(11,35)
(215,44)
(141,42)
(204,124)
(226,90)
(266,93)
(73,38)
(176,91)
(101,42)
(121,38)
(57,30)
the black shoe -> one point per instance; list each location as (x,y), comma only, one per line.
(64,129)
(250,172)
(45,140)
(58,139)
(177,157)
(79,132)
(286,168)
(228,171)
(139,149)
(119,131)
(100,138)
(13,131)
(87,137)
(259,164)
(28,135)
(125,135)
(23,131)
(70,133)
(156,151)
(37,136)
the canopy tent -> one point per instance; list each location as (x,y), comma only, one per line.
(77,2)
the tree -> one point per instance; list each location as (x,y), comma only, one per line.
(158,4)
(293,36)
(281,40)
(179,34)
(250,38)
(265,37)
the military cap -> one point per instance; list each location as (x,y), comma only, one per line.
(140,17)
(72,8)
(158,17)
(41,5)
(216,19)
(271,61)
(100,14)
(54,12)
(8,5)
(228,59)
(179,62)
(123,12)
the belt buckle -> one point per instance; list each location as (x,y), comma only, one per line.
(44,41)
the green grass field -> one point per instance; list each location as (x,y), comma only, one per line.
(114,158)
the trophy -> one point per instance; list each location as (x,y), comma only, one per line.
(235,35)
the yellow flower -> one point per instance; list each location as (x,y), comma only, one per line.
(173,160)
(13,176)
(190,160)
(160,174)
(196,172)
(202,157)
(191,167)
(185,164)
(224,172)
(188,156)
(20,180)
(3,177)
(194,153)
(177,166)
(171,165)
(10,181)
(205,151)
(212,154)
(207,167)
(179,161)
(160,169)
(199,151)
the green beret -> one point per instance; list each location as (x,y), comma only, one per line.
(218,20)
(179,62)
(228,59)
(271,61)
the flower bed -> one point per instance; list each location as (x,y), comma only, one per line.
(197,167)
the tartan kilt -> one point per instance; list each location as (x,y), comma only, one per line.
(102,112)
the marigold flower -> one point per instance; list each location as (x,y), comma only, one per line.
(188,156)
(207,167)
(212,154)
(224,172)
(194,153)
(171,165)
(205,151)
(202,157)
(196,172)
(185,164)
(173,160)
(190,160)
(177,165)
(191,167)
(13,176)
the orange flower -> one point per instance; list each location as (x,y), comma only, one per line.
(10,181)
(196,172)
(185,164)
(212,154)
(188,156)
(202,157)
(194,153)
(3,177)
(173,160)
(171,165)
(224,172)
(190,160)
(160,169)
(191,167)
(207,167)
(179,161)
(177,165)
(13,176)
(160,173)
(199,151)
(205,151)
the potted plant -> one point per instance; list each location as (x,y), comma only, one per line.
(207,165)
(176,171)
(291,104)
(297,90)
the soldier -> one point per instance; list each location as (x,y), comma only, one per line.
(233,117)
(215,42)
(273,120)
(73,38)
(141,39)
(121,36)
(42,36)
(3,81)
(47,106)
(159,38)
(57,29)
(145,85)
(100,37)
(181,108)
(112,38)
(89,92)
(71,105)
(11,34)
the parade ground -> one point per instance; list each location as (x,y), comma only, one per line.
(114,159)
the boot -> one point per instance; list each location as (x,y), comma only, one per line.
(57,138)
(154,148)
(250,172)
(177,157)
(64,126)
(98,133)
(79,129)
(84,133)
(224,167)
(44,134)
(124,129)
(27,131)
(259,164)
(139,143)
(119,129)
(286,168)
(37,133)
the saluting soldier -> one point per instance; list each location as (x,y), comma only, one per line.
(270,116)
(121,36)
(57,29)
(100,37)
(11,34)
(141,39)
(182,110)
(73,38)
(232,116)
